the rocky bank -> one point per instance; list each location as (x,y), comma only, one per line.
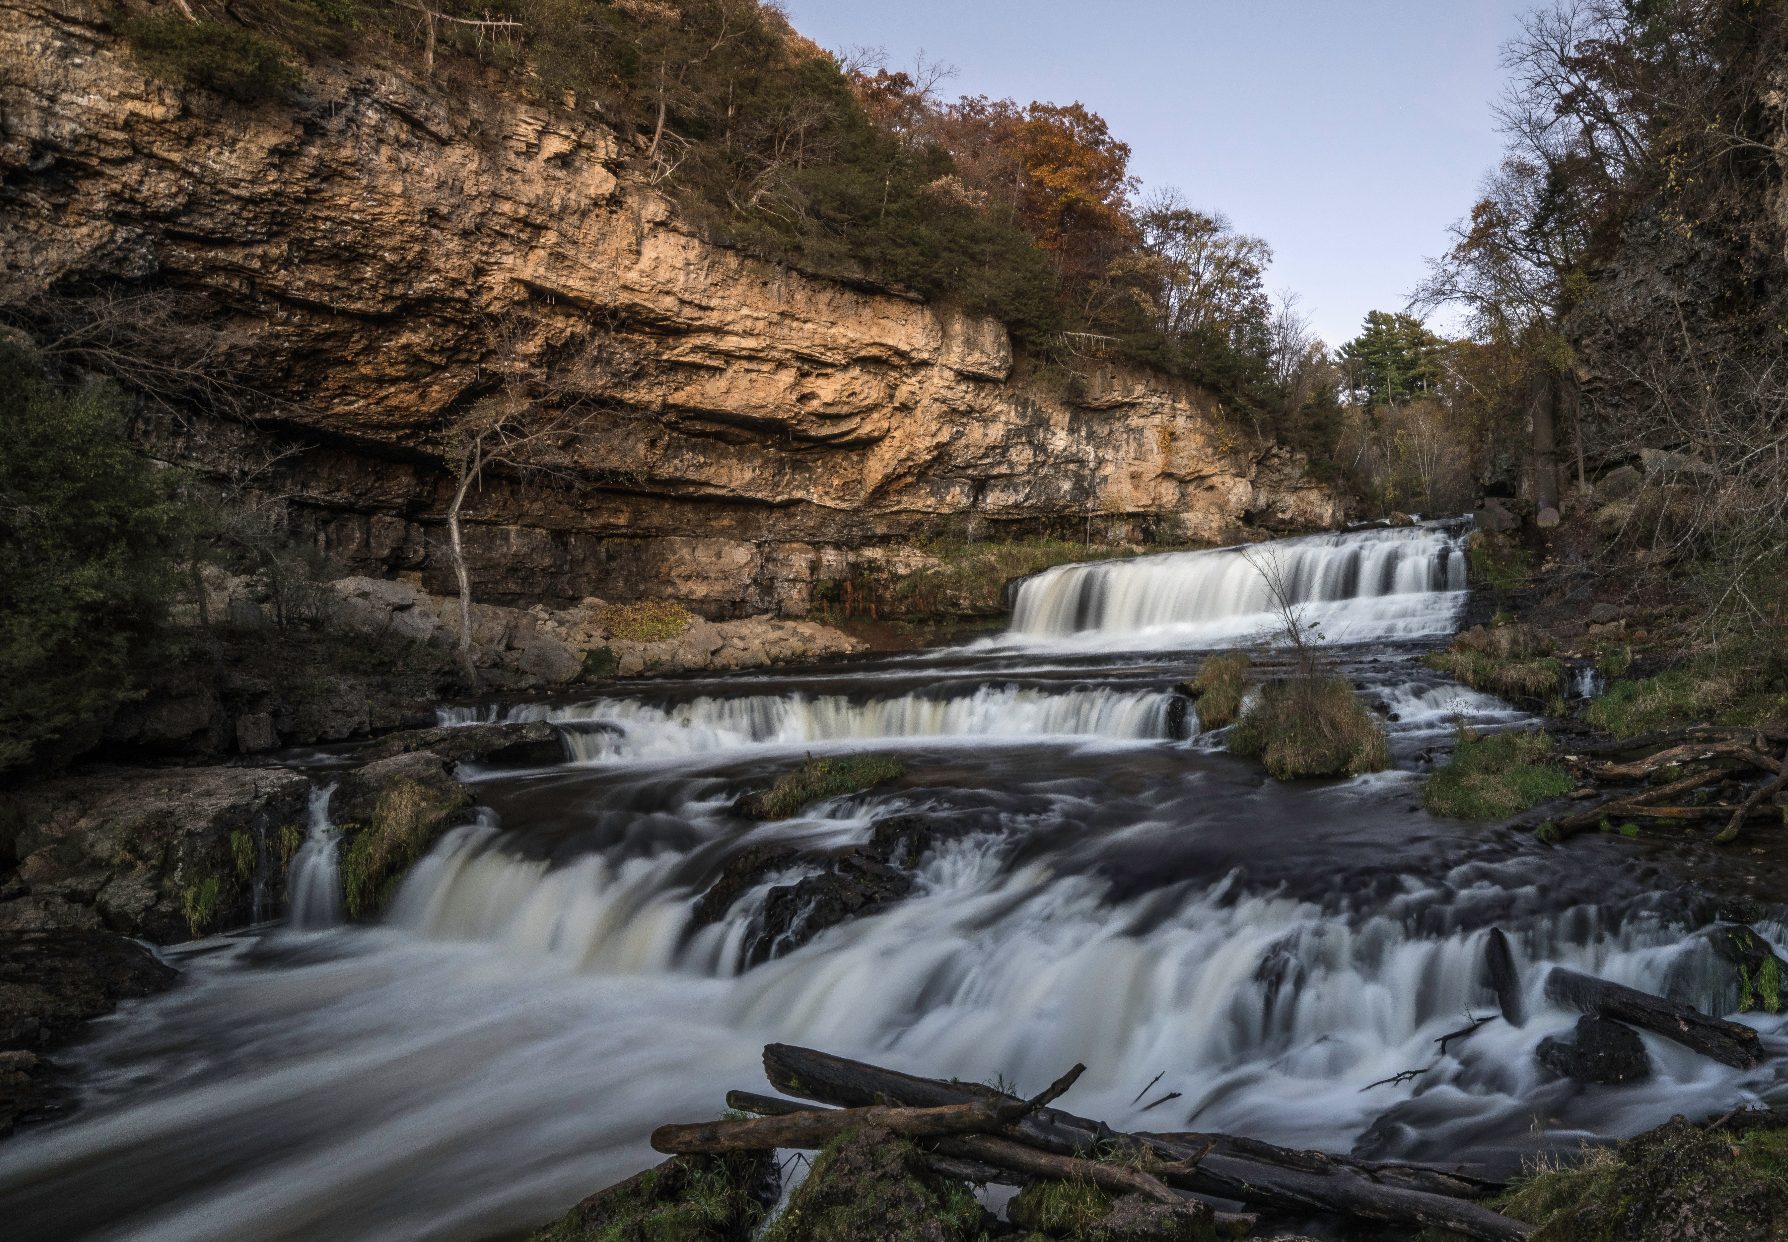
(374,258)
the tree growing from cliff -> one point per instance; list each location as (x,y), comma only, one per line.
(528,428)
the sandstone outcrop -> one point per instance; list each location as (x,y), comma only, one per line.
(387,250)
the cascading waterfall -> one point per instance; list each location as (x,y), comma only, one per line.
(630,729)
(541,996)
(313,888)
(1362,585)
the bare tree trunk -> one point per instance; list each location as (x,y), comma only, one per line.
(1572,399)
(186,9)
(468,473)
(1541,396)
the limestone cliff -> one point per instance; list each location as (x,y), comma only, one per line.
(387,250)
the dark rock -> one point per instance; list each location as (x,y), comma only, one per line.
(51,984)
(388,814)
(901,840)
(1618,484)
(255,733)
(533,744)
(1604,1051)
(793,914)
(1760,978)
(1603,614)
(743,870)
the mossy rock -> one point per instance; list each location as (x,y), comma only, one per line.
(1677,1183)
(869,1184)
(1086,1213)
(685,1199)
(818,779)
(389,814)
(1218,687)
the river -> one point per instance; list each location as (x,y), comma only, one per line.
(1105,885)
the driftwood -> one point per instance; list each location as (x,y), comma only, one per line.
(1764,792)
(810,1128)
(1257,1174)
(1676,737)
(1726,1042)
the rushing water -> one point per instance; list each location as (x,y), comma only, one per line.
(1104,885)
(314,884)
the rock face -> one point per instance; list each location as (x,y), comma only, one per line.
(386,251)
(1604,1051)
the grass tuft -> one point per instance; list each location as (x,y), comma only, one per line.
(1680,696)
(1221,682)
(817,779)
(1495,776)
(1311,727)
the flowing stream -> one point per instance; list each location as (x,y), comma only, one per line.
(1103,884)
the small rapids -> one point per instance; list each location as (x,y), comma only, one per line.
(1099,883)
(631,729)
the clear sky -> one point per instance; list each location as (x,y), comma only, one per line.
(1347,133)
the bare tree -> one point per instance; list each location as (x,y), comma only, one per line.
(1293,627)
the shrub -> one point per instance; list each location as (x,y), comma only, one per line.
(1218,686)
(218,56)
(1495,776)
(89,539)
(1310,726)
(647,621)
(816,779)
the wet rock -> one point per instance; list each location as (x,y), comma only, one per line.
(1760,978)
(1604,1052)
(163,854)
(869,1184)
(743,871)
(902,840)
(793,914)
(685,1199)
(388,814)
(51,984)
(531,744)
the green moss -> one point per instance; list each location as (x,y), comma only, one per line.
(1497,561)
(600,663)
(1763,990)
(1219,685)
(405,821)
(1677,697)
(870,1184)
(243,854)
(1495,776)
(198,902)
(291,836)
(1673,1183)
(1310,727)
(1066,1209)
(685,1199)
(816,779)
(218,56)
(647,621)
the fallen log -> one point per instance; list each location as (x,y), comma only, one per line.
(810,1128)
(1726,1042)
(1768,790)
(1302,1182)
(1673,737)
(1632,801)
(1688,752)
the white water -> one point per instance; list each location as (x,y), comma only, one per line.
(539,1000)
(629,729)
(313,886)
(1353,587)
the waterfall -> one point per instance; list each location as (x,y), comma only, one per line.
(1587,684)
(1352,587)
(614,729)
(313,885)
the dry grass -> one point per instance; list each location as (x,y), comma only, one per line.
(1311,726)
(647,621)
(1218,687)
(1510,661)
(817,779)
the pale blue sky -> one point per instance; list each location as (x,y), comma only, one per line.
(1347,133)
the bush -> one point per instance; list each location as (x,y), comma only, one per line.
(648,621)
(1311,726)
(816,779)
(1496,776)
(1218,686)
(218,56)
(89,537)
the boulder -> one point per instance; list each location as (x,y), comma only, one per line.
(1621,483)
(388,815)
(1604,1051)
(870,1184)
(793,914)
(714,1198)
